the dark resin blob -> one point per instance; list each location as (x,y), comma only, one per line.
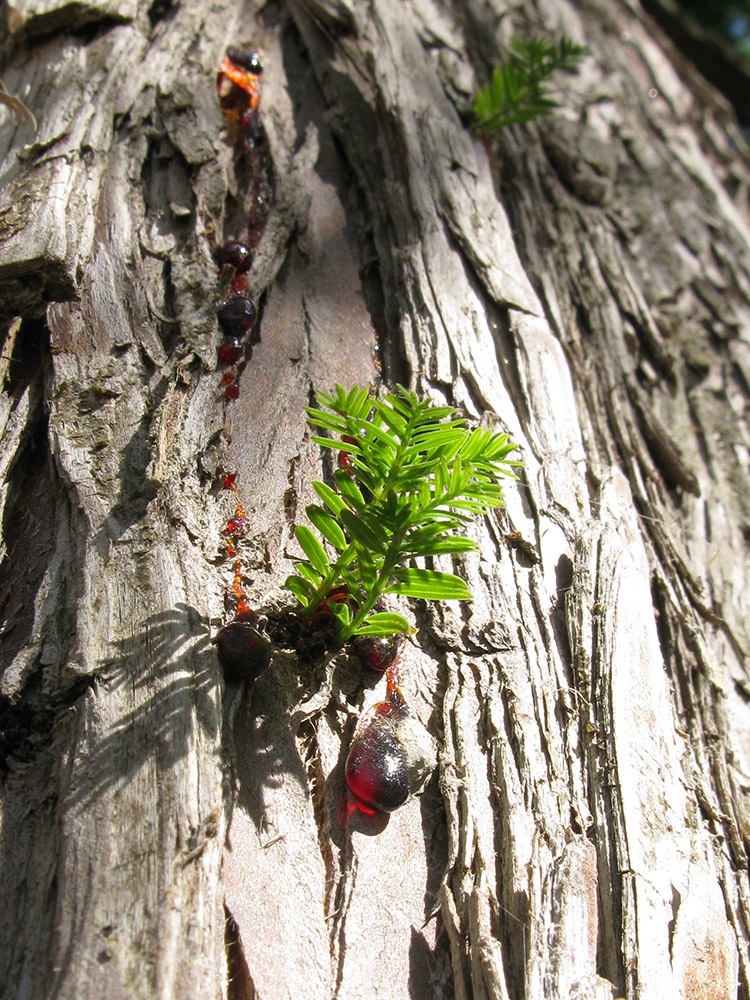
(230,351)
(237,526)
(238,255)
(376,768)
(236,316)
(345,458)
(246,59)
(391,755)
(377,652)
(243,652)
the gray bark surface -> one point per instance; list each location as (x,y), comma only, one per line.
(581,283)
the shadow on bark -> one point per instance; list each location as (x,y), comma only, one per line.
(165,669)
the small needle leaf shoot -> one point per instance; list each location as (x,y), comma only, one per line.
(414,473)
(518,92)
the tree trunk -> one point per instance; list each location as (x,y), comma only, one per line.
(582,283)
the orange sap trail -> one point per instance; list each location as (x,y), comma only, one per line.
(235,527)
(238,87)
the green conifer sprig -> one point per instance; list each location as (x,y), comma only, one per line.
(518,92)
(417,474)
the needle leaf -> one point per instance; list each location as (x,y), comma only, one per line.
(414,473)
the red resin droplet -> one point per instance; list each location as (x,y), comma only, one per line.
(236,316)
(243,652)
(345,458)
(376,768)
(229,481)
(232,391)
(378,652)
(230,351)
(237,526)
(235,253)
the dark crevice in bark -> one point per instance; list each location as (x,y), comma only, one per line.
(136,492)
(25,354)
(378,167)
(240,984)
(428,965)
(512,919)
(317,785)
(513,904)
(480,26)
(603,798)
(434,832)
(559,623)
(342,901)
(160,10)
(34,496)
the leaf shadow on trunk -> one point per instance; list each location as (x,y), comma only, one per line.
(146,705)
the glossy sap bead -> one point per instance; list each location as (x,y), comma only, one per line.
(235,253)
(230,351)
(236,316)
(345,458)
(237,526)
(376,770)
(390,757)
(377,652)
(243,652)
(246,59)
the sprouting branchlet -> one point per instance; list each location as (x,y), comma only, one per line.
(518,90)
(414,473)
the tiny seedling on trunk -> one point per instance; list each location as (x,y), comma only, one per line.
(518,92)
(412,473)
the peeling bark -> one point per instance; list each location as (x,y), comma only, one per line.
(580,282)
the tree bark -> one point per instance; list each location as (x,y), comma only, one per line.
(580,282)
